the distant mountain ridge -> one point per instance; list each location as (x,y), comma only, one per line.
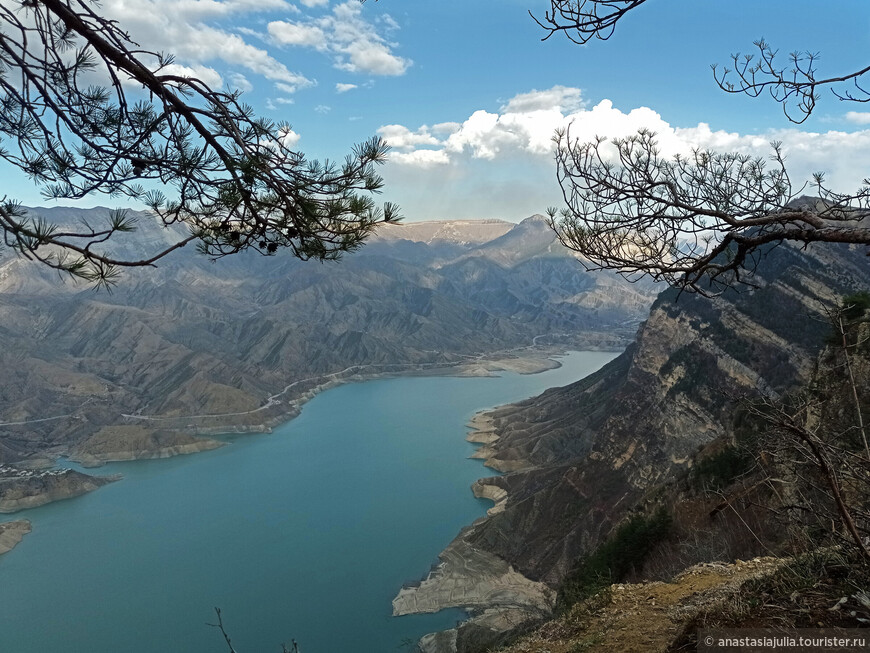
(194,346)
(457,232)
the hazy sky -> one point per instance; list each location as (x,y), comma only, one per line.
(469,96)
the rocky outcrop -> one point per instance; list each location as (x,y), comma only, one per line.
(11,533)
(580,458)
(471,578)
(587,450)
(22,489)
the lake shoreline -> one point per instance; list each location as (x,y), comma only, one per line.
(496,596)
(179,438)
(11,534)
(192,434)
(301,521)
(195,438)
(467,577)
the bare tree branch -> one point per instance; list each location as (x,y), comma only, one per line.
(233,178)
(696,222)
(795,85)
(699,221)
(220,626)
(584,20)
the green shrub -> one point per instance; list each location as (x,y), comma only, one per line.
(855,305)
(719,470)
(623,552)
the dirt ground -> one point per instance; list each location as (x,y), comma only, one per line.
(645,617)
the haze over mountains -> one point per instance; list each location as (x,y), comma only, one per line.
(194,338)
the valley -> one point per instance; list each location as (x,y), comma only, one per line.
(196,348)
(180,358)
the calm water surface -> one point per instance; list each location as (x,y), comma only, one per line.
(307,533)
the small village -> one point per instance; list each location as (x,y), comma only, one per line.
(7,471)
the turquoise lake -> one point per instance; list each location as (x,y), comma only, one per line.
(305,533)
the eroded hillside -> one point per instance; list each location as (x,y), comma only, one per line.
(580,459)
(194,347)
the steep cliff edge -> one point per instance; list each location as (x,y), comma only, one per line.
(581,458)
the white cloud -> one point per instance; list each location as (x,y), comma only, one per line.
(446,127)
(315,3)
(286,88)
(562,98)
(344,88)
(858,117)
(402,138)
(353,42)
(182,28)
(500,164)
(421,158)
(299,34)
(483,134)
(322,109)
(203,73)
(240,82)
(288,137)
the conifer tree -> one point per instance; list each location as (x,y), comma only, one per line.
(86,111)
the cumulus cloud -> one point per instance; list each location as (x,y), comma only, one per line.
(299,34)
(208,75)
(562,98)
(858,117)
(182,28)
(288,137)
(344,88)
(446,127)
(500,164)
(240,82)
(421,158)
(402,138)
(354,43)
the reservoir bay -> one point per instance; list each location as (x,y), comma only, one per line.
(306,533)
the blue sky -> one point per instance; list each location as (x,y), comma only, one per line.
(468,94)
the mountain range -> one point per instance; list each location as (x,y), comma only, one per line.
(195,346)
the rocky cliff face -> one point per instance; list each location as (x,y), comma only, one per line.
(197,347)
(581,457)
